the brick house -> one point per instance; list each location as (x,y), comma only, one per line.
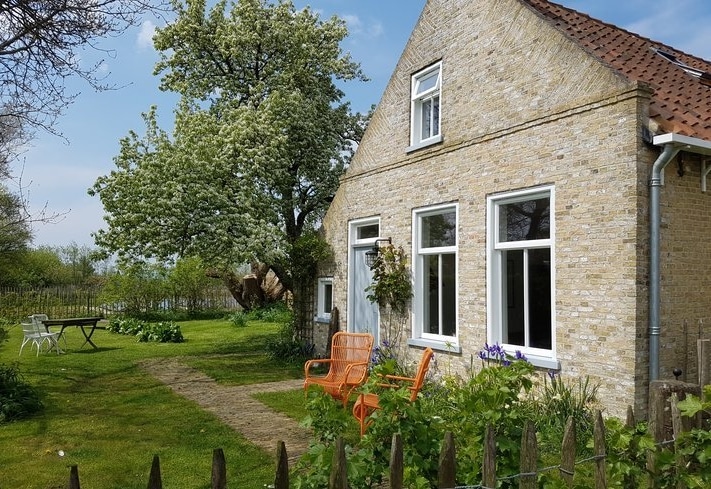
(545,173)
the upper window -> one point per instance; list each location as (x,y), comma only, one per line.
(521,272)
(435,294)
(425,111)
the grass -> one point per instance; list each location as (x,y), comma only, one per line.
(105,415)
(290,403)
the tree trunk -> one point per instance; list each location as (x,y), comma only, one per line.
(254,290)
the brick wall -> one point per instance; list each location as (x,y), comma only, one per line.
(522,106)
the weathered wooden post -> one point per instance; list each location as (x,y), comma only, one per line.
(703,350)
(154,480)
(600,452)
(488,470)
(447,463)
(219,469)
(397,465)
(660,391)
(74,477)
(567,464)
(529,458)
(281,481)
(339,474)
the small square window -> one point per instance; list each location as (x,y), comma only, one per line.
(425,109)
(325,298)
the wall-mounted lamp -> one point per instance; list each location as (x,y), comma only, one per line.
(372,255)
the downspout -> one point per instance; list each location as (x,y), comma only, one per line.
(655,183)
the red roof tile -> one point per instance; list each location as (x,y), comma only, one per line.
(681,102)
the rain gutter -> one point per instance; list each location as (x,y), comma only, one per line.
(672,144)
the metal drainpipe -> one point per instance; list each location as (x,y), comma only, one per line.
(655,183)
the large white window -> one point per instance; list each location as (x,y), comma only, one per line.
(521,273)
(425,111)
(435,262)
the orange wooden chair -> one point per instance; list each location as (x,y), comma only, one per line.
(347,367)
(367,403)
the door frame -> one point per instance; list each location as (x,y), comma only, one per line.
(355,242)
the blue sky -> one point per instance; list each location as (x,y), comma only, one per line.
(58,173)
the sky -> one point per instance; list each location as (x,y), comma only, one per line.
(57,172)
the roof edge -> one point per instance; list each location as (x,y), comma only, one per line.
(684,143)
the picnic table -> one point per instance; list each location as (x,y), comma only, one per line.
(87,323)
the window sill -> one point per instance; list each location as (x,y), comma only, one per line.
(322,319)
(544,362)
(424,144)
(435,345)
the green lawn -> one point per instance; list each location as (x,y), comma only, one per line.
(105,415)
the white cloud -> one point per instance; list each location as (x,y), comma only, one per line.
(144,39)
(357,28)
(681,24)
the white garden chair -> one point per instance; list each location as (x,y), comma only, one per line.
(36,333)
(31,335)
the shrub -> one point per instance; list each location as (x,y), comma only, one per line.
(284,347)
(277,312)
(239,319)
(18,399)
(126,326)
(559,400)
(162,332)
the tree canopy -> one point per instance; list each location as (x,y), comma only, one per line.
(260,139)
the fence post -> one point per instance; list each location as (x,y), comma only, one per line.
(529,458)
(219,469)
(281,481)
(630,422)
(154,480)
(488,469)
(599,452)
(567,464)
(397,468)
(74,477)
(339,475)
(703,351)
(677,429)
(447,463)
(660,392)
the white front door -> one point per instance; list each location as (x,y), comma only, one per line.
(364,314)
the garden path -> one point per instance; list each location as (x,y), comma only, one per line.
(235,406)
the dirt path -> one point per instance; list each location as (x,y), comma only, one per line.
(235,406)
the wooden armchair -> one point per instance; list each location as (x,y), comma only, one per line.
(347,367)
(367,403)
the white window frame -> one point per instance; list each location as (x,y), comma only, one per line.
(419,336)
(323,314)
(418,98)
(495,301)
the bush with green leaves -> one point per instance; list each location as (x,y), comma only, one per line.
(18,399)
(239,319)
(126,325)
(286,348)
(277,312)
(162,332)
(559,399)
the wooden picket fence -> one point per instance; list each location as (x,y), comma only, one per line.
(447,463)
(528,468)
